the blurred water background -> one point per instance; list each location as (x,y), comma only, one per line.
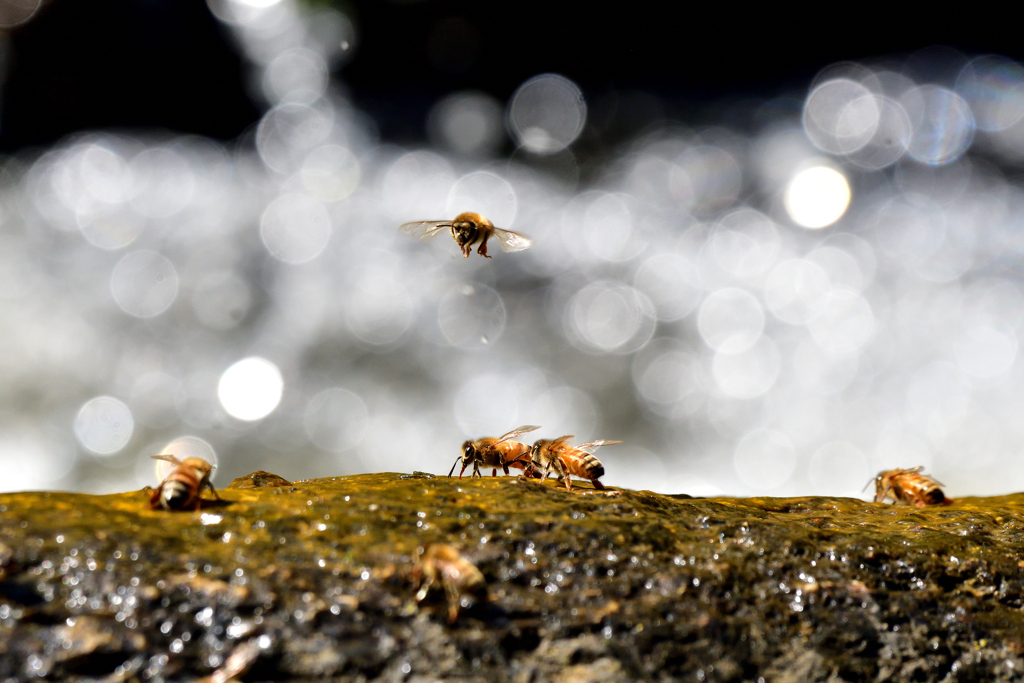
(780,307)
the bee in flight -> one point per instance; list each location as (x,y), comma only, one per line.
(441,563)
(565,460)
(490,452)
(468,229)
(909,486)
(183,487)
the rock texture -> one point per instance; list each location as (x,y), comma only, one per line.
(314,580)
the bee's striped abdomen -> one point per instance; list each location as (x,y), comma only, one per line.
(583,465)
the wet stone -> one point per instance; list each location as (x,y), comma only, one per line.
(315,580)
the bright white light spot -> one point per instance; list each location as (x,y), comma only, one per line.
(207,518)
(250,389)
(817,197)
(104,425)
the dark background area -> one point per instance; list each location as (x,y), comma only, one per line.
(128,64)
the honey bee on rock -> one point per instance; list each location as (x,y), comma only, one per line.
(490,452)
(467,230)
(565,460)
(441,563)
(183,487)
(909,486)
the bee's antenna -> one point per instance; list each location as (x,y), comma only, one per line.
(872,479)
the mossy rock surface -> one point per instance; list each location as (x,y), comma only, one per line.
(314,580)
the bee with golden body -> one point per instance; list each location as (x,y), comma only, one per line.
(501,452)
(444,564)
(182,489)
(468,229)
(557,455)
(909,486)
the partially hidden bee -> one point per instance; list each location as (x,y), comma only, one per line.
(182,489)
(557,455)
(501,452)
(441,563)
(909,486)
(467,230)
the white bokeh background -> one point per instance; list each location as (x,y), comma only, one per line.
(780,310)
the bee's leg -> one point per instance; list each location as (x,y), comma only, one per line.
(425,586)
(452,592)
(154,499)
(597,485)
(209,485)
(483,247)
(562,472)
(494,472)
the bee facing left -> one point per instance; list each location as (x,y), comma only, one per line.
(182,489)
(909,486)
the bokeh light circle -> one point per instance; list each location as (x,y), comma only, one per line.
(250,389)
(817,197)
(331,173)
(749,373)
(144,283)
(471,316)
(484,193)
(467,123)
(610,317)
(672,283)
(943,125)
(104,425)
(840,116)
(336,419)
(546,114)
(295,228)
(730,320)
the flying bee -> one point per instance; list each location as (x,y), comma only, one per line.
(457,575)
(490,452)
(565,460)
(909,486)
(183,487)
(468,229)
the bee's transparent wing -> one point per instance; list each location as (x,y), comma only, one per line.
(519,431)
(424,230)
(512,241)
(168,458)
(597,444)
